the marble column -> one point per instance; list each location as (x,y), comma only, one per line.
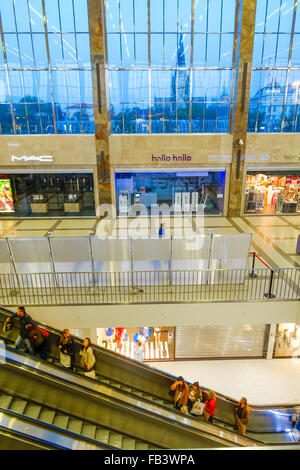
(246,17)
(98,54)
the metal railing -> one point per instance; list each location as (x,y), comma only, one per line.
(206,285)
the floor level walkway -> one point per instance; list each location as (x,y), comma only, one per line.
(263,382)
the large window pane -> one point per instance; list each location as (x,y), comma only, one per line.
(228,16)
(40,51)
(214,16)
(200,16)
(127,42)
(26,52)
(141,16)
(126,9)
(283,48)
(213,50)
(7,16)
(81,16)
(52,16)
(36,16)
(12,51)
(171,16)
(157,50)
(141,50)
(66,16)
(22,16)
(200,50)
(226,50)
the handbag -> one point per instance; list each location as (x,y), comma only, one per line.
(198,408)
(65,360)
(184,409)
(7,326)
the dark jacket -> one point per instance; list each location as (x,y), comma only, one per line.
(35,336)
(68,347)
(23,322)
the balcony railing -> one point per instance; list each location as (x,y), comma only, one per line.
(131,287)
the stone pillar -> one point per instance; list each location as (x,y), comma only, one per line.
(245,50)
(98,54)
(271,341)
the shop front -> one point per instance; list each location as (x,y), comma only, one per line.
(287,340)
(48,176)
(272,191)
(46,193)
(156,343)
(177,190)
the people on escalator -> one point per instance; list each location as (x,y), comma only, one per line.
(195,395)
(65,344)
(37,340)
(23,337)
(210,406)
(181,393)
(242,414)
(88,360)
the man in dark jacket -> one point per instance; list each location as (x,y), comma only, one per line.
(23,337)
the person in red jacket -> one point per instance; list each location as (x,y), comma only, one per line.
(119,332)
(210,407)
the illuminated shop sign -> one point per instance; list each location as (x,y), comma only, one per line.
(172,158)
(24,158)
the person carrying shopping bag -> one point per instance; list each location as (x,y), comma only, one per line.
(88,360)
(65,344)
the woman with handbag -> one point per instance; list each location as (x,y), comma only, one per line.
(66,346)
(195,395)
(88,360)
(181,395)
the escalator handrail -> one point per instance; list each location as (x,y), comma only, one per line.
(49,428)
(154,370)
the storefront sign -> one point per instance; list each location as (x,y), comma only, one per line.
(172,158)
(288,180)
(24,158)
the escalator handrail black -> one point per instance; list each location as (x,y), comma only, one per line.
(152,369)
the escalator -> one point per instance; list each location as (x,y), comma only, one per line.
(140,395)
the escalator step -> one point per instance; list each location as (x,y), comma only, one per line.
(105,381)
(33,411)
(115,439)
(141,446)
(140,394)
(115,384)
(89,430)
(75,425)
(18,405)
(5,401)
(128,443)
(47,416)
(61,421)
(102,435)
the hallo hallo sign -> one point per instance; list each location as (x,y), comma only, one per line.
(24,158)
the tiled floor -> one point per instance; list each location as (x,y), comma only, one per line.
(263,382)
(273,237)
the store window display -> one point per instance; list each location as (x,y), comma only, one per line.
(33,194)
(187,191)
(158,342)
(272,192)
(287,340)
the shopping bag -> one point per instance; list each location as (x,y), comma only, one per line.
(198,408)
(44,332)
(91,374)
(184,409)
(65,360)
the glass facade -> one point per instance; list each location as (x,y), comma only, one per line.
(45,67)
(187,191)
(274,94)
(46,194)
(273,192)
(170,67)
